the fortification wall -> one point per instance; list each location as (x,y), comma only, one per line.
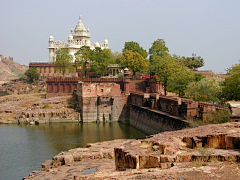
(100,101)
(152,121)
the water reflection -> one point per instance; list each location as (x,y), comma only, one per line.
(25,147)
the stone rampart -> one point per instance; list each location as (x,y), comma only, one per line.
(153,121)
(179,107)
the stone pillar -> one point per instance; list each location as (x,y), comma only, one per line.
(98,111)
(112,109)
(158,87)
(126,81)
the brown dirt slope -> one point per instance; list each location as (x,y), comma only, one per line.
(11,70)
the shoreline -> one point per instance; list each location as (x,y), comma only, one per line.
(102,163)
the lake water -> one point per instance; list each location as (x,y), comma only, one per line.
(23,148)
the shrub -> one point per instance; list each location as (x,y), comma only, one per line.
(218,117)
(45,106)
(74,106)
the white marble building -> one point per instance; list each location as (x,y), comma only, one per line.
(77,38)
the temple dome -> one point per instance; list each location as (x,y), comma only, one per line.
(106,41)
(88,43)
(51,38)
(70,37)
(96,44)
(80,27)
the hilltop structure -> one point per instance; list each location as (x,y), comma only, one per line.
(77,38)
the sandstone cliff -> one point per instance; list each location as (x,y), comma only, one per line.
(10,69)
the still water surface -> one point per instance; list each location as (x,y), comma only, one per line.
(24,147)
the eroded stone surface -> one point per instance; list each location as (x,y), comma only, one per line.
(151,158)
(35,108)
(186,145)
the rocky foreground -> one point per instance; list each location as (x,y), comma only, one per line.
(206,152)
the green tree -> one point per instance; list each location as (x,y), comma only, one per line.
(231,85)
(158,48)
(178,82)
(134,61)
(135,47)
(198,77)
(206,90)
(117,56)
(192,62)
(102,59)
(84,58)
(165,67)
(32,74)
(63,62)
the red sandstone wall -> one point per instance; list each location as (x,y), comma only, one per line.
(180,107)
(100,101)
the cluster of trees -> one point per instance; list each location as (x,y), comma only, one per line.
(176,73)
(231,85)
(96,60)
(173,71)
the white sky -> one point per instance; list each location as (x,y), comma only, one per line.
(209,28)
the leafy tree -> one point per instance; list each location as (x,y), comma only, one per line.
(198,77)
(84,58)
(231,85)
(63,61)
(32,74)
(117,56)
(165,67)
(135,47)
(134,61)
(193,62)
(161,63)
(102,59)
(158,48)
(206,90)
(178,82)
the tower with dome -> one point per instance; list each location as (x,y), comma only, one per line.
(77,38)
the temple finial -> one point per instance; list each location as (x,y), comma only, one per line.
(80,17)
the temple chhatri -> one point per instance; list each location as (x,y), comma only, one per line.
(77,38)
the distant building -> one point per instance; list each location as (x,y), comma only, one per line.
(77,38)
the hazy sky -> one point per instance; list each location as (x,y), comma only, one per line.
(209,28)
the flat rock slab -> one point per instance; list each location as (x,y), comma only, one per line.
(168,155)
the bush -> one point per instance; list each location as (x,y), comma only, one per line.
(218,117)
(94,76)
(45,106)
(32,74)
(214,117)
(74,105)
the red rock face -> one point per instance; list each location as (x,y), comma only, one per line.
(186,145)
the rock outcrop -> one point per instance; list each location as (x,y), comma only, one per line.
(162,150)
(206,152)
(34,108)
(10,69)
